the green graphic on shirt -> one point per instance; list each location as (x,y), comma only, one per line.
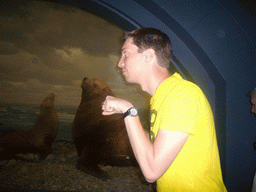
(153,115)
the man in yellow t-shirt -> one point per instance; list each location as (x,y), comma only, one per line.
(182,154)
(179,105)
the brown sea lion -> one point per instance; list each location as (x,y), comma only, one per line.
(99,139)
(38,139)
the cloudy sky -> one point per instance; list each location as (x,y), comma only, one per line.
(47,47)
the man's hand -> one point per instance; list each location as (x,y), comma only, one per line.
(113,105)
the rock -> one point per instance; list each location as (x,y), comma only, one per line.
(12,162)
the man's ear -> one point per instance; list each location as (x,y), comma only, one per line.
(150,54)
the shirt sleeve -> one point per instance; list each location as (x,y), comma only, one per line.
(180,110)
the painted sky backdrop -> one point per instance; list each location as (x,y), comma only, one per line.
(47,47)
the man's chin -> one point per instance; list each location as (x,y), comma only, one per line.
(128,80)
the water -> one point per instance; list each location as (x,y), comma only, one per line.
(23,116)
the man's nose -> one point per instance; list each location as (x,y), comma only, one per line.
(121,62)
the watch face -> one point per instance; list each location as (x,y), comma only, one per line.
(134,112)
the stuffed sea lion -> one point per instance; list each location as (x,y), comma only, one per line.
(99,139)
(38,139)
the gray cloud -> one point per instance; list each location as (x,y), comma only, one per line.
(35,25)
(47,47)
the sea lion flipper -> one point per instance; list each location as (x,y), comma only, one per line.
(93,170)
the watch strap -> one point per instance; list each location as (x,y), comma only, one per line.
(128,112)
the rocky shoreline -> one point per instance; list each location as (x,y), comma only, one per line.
(58,173)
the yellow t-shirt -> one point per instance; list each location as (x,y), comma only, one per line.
(179,105)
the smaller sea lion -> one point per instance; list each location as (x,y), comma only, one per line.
(38,139)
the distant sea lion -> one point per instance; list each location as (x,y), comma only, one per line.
(38,139)
(99,139)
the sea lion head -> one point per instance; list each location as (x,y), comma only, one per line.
(94,88)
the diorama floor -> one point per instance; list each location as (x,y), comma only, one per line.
(58,173)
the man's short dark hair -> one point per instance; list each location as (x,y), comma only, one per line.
(145,38)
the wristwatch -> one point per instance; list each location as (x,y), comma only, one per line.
(131,112)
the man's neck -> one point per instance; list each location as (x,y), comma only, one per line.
(153,81)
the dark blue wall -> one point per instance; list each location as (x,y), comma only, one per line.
(215,46)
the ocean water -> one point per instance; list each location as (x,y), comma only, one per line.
(23,116)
